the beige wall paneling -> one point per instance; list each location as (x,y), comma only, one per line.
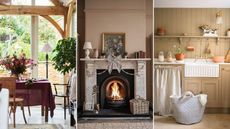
(184,20)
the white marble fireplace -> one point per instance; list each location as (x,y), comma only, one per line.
(91,66)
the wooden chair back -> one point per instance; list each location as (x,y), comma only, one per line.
(9,83)
(64,86)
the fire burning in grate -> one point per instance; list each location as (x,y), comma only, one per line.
(115,94)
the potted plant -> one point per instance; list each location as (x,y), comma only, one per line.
(65,55)
(179,53)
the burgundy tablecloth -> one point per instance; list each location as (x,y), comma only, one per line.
(38,94)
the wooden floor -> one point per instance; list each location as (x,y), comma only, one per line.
(36,117)
(210,121)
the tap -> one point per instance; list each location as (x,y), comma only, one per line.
(196,58)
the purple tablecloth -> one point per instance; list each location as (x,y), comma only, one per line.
(40,93)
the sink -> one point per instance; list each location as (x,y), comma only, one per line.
(199,61)
(201,68)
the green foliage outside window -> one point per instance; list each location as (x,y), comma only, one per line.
(15,35)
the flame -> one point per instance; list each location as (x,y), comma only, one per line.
(115,95)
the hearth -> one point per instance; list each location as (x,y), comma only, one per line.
(115,89)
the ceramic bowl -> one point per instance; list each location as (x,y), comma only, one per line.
(218,59)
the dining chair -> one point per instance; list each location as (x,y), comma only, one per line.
(10,84)
(62,94)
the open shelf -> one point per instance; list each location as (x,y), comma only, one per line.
(178,36)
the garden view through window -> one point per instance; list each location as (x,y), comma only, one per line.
(15,37)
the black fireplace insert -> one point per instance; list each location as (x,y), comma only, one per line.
(115,89)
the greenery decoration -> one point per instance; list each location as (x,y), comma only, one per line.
(65,55)
(178,50)
(29,82)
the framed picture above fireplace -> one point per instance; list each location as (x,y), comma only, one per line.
(113,43)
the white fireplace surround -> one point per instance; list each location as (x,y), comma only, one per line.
(91,66)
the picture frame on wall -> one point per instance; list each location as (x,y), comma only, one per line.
(113,43)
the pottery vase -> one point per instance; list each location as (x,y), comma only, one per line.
(179,56)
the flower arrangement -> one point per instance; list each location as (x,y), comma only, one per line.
(17,64)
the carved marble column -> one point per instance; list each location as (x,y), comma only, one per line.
(140,79)
(90,82)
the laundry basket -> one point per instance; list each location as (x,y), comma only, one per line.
(188,109)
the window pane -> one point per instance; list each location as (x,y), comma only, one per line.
(29,2)
(48,34)
(21,2)
(14,37)
(43,3)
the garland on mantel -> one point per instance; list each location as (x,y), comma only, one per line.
(114,63)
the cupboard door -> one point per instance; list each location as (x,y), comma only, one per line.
(225,86)
(211,88)
(193,85)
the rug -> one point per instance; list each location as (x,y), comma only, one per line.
(115,124)
(37,126)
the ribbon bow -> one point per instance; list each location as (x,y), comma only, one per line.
(114,63)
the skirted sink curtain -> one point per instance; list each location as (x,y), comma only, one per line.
(167,83)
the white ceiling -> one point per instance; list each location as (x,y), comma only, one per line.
(192,3)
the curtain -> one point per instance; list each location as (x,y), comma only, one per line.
(167,83)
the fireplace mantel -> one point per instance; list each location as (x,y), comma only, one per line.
(91,66)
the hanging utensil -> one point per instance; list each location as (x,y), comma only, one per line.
(189,46)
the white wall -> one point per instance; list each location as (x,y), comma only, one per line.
(192,4)
(127,16)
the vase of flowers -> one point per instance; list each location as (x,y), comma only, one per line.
(17,65)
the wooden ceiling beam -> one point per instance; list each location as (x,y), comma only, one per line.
(31,10)
(69,19)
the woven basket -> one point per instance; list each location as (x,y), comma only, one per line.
(139,106)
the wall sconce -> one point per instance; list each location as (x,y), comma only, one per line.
(219,18)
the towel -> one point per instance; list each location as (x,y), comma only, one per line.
(73,86)
(202,99)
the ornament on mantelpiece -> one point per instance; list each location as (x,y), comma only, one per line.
(208,31)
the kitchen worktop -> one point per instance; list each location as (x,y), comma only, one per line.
(188,60)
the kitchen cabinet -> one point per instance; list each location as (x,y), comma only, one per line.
(225,85)
(209,86)
(193,85)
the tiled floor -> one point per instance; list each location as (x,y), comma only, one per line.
(115,124)
(36,117)
(210,121)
